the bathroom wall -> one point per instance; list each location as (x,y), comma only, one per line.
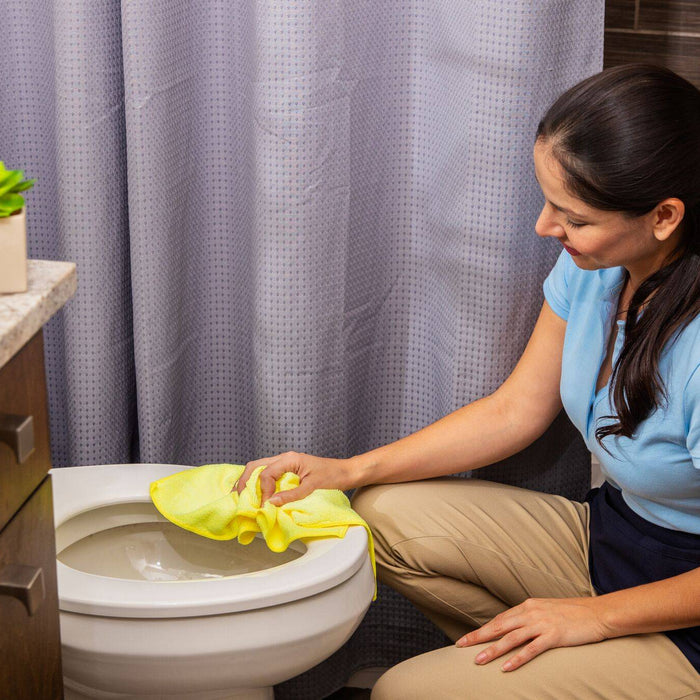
(663,32)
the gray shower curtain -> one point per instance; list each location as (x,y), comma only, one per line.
(298,225)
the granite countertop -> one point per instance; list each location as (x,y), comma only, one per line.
(50,284)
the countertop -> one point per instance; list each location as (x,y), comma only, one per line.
(50,284)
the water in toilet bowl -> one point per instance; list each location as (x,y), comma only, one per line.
(161,551)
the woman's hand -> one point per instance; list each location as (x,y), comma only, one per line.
(545,622)
(314,473)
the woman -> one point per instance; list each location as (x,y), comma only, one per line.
(599,599)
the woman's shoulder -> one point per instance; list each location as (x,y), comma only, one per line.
(687,362)
(688,337)
(684,350)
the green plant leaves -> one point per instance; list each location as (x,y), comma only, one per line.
(10,184)
(10,203)
(24,185)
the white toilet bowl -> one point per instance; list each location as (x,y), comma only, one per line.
(178,623)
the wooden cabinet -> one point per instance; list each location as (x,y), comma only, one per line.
(30,646)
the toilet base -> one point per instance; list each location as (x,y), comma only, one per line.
(77,691)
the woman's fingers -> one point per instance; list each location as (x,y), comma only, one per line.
(250,467)
(295,494)
(493,629)
(274,468)
(313,472)
(269,475)
(506,643)
(517,635)
(546,622)
(528,652)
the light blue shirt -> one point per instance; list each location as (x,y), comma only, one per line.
(658,469)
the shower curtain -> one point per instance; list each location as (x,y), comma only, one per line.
(298,225)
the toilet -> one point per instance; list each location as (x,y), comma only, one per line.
(148,609)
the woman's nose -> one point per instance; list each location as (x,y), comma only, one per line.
(547,225)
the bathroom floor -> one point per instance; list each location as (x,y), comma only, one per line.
(350,694)
(359,685)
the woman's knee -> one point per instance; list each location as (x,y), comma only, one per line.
(394,684)
(375,500)
(449,672)
(383,507)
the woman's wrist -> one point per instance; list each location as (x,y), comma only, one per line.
(659,606)
(360,469)
(605,616)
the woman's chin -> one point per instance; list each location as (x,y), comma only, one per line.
(585,263)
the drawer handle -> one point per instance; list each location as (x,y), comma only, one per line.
(26,583)
(18,433)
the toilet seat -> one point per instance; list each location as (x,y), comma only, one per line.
(326,563)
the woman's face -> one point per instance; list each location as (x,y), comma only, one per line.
(594,238)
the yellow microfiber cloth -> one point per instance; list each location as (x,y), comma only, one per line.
(202,500)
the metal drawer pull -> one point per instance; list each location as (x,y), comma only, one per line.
(26,583)
(18,433)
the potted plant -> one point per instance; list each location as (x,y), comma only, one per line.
(13,231)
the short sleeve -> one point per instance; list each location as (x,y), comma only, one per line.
(691,408)
(556,286)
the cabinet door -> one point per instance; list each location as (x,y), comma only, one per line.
(30,645)
(23,393)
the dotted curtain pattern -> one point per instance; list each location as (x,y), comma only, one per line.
(297,225)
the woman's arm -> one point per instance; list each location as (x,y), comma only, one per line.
(484,431)
(545,623)
(481,433)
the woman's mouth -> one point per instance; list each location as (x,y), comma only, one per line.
(571,251)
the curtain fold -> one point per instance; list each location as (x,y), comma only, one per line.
(297,226)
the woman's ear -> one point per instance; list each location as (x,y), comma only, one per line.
(666,217)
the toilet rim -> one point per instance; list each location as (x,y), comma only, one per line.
(327,562)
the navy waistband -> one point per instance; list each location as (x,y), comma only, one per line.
(673,538)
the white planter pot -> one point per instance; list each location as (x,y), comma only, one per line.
(13,253)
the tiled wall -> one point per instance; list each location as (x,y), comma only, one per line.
(663,32)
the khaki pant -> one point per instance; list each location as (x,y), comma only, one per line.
(464,550)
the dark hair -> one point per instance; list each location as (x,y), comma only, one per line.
(626,139)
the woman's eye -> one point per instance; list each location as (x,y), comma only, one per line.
(573,224)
